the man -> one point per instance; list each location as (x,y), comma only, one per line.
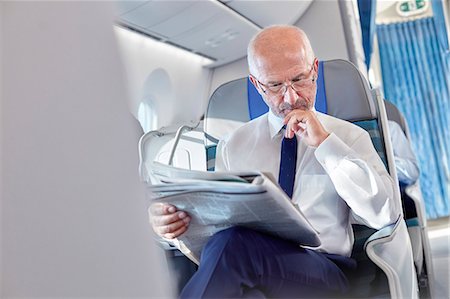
(405,160)
(339,178)
(407,171)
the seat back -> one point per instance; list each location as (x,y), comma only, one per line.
(178,145)
(414,212)
(342,92)
(395,115)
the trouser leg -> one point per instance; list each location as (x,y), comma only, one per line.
(238,261)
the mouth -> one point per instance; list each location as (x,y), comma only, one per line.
(286,111)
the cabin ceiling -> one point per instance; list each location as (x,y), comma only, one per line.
(219,30)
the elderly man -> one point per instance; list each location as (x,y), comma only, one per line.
(405,161)
(328,166)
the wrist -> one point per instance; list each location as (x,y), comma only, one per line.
(323,138)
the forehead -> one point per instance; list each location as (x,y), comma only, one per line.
(281,67)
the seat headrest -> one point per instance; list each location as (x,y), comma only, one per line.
(342,91)
(395,115)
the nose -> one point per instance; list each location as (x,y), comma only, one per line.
(290,95)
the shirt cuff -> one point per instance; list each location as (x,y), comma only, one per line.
(331,151)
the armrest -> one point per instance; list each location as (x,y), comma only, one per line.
(413,191)
(390,249)
(383,235)
(141,148)
(164,135)
(181,130)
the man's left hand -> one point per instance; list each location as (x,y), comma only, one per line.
(306,123)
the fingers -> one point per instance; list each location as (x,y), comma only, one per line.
(160,208)
(297,116)
(295,122)
(174,229)
(167,221)
(306,123)
(176,233)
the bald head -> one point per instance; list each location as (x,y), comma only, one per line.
(275,42)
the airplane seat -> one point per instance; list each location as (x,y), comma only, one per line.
(236,102)
(415,216)
(181,146)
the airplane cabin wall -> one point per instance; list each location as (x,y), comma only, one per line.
(322,22)
(1,149)
(74,222)
(228,72)
(172,81)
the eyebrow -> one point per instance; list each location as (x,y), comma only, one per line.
(302,74)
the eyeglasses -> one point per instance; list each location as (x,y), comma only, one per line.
(297,84)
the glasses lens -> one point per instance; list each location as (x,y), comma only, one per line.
(276,88)
(298,85)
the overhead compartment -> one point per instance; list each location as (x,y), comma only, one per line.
(219,30)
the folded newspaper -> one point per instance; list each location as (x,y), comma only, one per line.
(219,200)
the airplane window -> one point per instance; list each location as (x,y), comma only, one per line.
(157,98)
(147,115)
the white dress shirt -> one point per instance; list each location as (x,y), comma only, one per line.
(405,160)
(342,181)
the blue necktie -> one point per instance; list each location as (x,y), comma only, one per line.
(288,162)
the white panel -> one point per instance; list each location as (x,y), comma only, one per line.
(228,72)
(352,33)
(266,13)
(74,220)
(223,36)
(188,19)
(1,149)
(180,98)
(123,6)
(323,25)
(155,12)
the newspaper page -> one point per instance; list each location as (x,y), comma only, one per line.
(217,201)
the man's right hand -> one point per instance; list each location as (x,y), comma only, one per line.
(166,221)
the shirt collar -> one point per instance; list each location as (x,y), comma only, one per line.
(275,124)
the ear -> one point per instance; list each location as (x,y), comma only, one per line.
(255,83)
(316,65)
(253,80)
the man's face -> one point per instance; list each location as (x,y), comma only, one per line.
(287,83)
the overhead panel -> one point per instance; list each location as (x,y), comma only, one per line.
(127,6)
(223,37)
(155,12)
(266,13)
(223,34)
(187,20)
(220,30)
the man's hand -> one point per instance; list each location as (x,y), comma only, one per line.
(306,123)
(166,221)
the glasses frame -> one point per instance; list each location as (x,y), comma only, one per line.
(286,85)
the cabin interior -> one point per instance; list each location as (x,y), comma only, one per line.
(81,82)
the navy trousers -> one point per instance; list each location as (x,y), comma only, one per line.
(242,263)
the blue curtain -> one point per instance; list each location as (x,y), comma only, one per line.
(367,10)
(439,21)
(416,79)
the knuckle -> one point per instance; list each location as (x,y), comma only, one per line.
(155,209)
(167,229)
(157,221)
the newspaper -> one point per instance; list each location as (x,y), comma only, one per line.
(219,200)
